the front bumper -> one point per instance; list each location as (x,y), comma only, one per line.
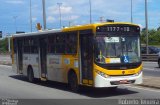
(114,81)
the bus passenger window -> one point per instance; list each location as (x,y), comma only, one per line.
(71,43)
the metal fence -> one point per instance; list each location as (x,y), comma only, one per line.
(150,57)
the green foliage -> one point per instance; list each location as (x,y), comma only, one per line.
(153,36)
(3,45)
(143,36)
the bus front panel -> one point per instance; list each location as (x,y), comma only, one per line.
(117,58)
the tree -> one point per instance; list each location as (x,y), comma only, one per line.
(153,36)
(3,45)
(143,36)
(158,29)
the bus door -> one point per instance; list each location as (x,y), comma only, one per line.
(86,56)
(43,56)
(19,56)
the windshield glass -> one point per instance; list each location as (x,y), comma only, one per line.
(124,49)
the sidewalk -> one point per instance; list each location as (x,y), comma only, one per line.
(152,82)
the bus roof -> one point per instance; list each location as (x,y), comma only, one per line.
(37,33)
(90,26)
(73,28)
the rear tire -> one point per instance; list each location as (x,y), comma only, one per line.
(73,82)
(30,75)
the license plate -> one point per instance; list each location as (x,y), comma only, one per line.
(123,81)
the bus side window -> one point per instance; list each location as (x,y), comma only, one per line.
(51,44)
(60,45)
(26,46)
(71,43)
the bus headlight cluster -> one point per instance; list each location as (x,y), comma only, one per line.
(101,74)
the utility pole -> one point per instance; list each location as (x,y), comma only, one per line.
(9,43)
(60,21)
(131,11)
(146,18)
(44,14)
(90,3)
(31,15)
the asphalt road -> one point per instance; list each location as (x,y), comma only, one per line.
(151,69)
(13,86)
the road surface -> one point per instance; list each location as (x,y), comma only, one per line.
(151,69)
(13,86)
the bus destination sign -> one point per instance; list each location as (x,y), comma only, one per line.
(118,29)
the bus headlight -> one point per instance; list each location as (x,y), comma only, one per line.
(101,74)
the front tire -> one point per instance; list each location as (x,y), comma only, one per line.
(73,82)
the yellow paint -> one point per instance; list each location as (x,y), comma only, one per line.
(116,72)
(43,79)
(93,26)
(91,82)
(107,60)
(85,81)
(70,66)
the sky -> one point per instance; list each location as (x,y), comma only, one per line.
(15,14)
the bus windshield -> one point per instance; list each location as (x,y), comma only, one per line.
(117,49)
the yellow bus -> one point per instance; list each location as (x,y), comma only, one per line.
(96,55)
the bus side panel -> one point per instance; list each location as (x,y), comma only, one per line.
(32,60)
(70,62)
(54,68)
(25,63)
(59,66)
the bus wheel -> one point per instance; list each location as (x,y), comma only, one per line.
(30,75)
(73,82)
